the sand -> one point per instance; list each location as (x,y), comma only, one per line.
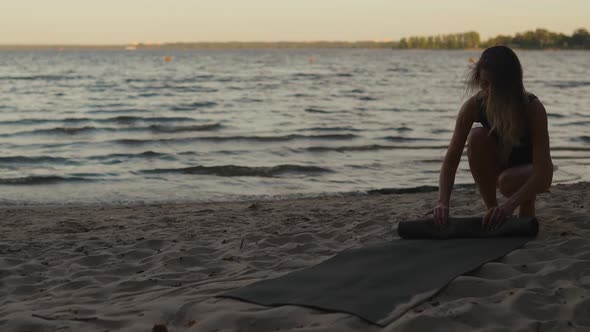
(127,268)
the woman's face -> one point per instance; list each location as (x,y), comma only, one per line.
(484,81)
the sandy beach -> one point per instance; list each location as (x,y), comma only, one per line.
(127,268)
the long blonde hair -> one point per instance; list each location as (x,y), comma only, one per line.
(506,100)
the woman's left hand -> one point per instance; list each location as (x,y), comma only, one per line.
(495,216)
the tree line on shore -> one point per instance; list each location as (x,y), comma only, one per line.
(534,39)
(537,39)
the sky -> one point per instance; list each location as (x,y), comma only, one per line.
(128,21)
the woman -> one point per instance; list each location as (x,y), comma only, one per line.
(509,151)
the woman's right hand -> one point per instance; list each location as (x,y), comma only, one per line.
(441,214)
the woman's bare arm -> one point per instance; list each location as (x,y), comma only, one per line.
(465,119)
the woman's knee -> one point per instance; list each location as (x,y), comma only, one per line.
(506,184)
(511,179)
(479,139)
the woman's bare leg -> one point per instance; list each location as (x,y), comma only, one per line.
(482,151)
(510,180)
(527,209)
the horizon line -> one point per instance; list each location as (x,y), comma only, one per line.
(159,43)
(149,43)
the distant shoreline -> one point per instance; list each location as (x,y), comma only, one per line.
(247,46)
(243,46)
(207,46)
(539,39)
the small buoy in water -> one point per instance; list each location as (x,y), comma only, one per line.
(167,58)
(472,60)
(311,60)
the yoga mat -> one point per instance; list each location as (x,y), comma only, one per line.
(467,228)
(380,283)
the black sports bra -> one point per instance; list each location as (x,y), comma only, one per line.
(525,139)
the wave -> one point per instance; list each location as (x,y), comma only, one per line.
(225,79)
(107,105)
(398,70)
(155,128)
(406,139)
(316,110)
(568,84)
(136,80)
(122,110)
(399,129)
(424,110)
(330,129)
(395,109)
(65,130)
(418,110)
(267,86)
(36,180)
(193,106)
(580,114)
(249,100)
(149,94)
(169,87)
(130,119)
(570,157)
(555,115)
(570,148)
(415,110)
(372,147)
(233,170)
(308,76)
(584,139)
(573,123)
(191,79)
(32,121)
(440,131)
(355,91)
(43,78)
(195,78)
(33,160)
(66,161)
(236,138)
(178,129)
(194,89)
(123,119)
(144,155)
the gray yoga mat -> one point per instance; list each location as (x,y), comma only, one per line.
(380,283)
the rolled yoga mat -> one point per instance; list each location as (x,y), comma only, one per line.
(467,228)
(380,283)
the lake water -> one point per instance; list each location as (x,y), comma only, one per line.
(128,126)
